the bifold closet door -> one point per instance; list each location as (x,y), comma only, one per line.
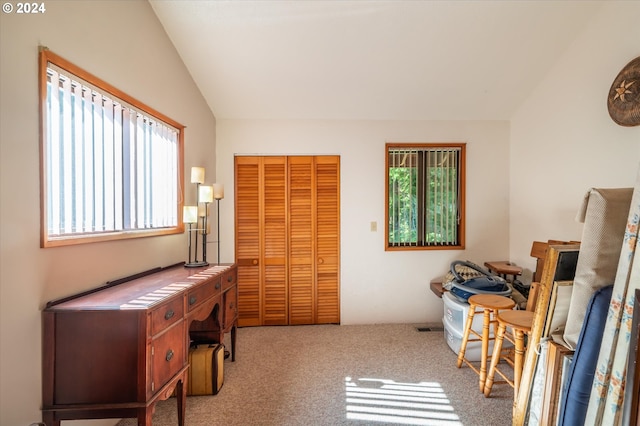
(302,232)
(287,240)
(327,238)
(314,224)
(261,240)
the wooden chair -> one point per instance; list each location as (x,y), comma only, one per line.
(488,305)
(520,323)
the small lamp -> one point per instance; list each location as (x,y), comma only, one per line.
(197,175)
(205,196)
(190,216)
(218,194)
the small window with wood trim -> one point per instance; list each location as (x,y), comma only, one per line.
(111,166)
(425,193)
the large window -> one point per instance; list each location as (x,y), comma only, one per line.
(110,165)
(425,196)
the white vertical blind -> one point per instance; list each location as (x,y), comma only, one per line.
(66,146)
(53,157)
(109,167)
(424,196)
(87,145)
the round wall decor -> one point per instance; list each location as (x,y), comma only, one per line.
(624,96)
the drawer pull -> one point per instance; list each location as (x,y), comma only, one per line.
(218,285)
(169,314)
(231,305)
(230,278)
(192,300)
(169,355)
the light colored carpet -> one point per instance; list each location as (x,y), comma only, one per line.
(343,375)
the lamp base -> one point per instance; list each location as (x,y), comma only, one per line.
(196,264)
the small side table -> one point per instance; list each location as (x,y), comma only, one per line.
(504,268)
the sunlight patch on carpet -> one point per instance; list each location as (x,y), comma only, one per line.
(388,401)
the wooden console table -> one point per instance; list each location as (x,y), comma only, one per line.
(115,351)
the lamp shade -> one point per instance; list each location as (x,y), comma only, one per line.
(197,175)
(206,194)
(190,214)
(218,191)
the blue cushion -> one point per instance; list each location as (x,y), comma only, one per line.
(575,397)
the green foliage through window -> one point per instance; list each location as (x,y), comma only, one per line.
(425,203)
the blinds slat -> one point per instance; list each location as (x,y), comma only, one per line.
(98,164)
(139,174)
(53,163)
(87,142)
(66,147)
(108,165)
(78,160)
(117,167)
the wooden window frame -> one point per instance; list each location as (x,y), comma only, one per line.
(46,240)
(461,197)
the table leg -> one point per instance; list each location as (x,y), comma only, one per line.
(233,342)
(485,348)
(145,415)
(181,393)
(49,419)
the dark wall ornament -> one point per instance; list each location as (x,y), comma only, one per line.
(624,96)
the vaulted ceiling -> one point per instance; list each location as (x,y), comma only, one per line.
(373,60)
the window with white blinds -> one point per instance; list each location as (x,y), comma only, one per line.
(425,196)
(110,165)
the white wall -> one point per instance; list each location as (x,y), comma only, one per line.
(122,43)
(379,286)
(526,178)
(563,141)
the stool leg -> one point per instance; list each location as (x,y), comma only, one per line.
(497,347)
(485,347)
(517,363)
(465,335)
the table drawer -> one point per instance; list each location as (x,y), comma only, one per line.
(167,356)
(202,292)
(229,279)
(166,314)
(230,306)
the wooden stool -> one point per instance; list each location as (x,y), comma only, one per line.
(520,323)
(488,304)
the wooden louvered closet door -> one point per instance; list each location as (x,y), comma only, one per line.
(287,240)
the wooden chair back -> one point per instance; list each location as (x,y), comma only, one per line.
(539,251)
(534,291)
